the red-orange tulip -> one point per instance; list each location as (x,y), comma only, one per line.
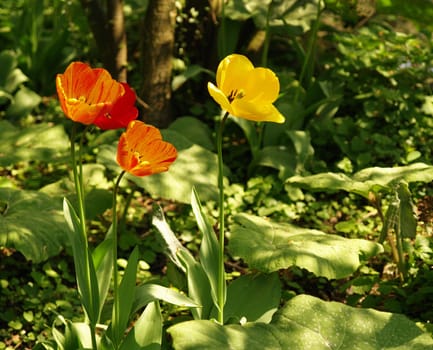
(92,96)
(141,150)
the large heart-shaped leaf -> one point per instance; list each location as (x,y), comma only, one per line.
(32,222)
(306,322)
(269,246)
(39,142)
(366,180)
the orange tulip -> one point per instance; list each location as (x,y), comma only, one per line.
(141,150)
(92,96)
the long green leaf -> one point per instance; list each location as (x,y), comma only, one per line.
(209,248)
(85,273)
(146,293)
(126,292)
(147,331)
(252,298)
(199,288)
(103,261)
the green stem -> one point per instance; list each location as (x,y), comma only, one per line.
(116,306)
(308,64)
(221,270)
(79,188)
(267,37)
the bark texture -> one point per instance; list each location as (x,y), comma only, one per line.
(106,21)
(156,58)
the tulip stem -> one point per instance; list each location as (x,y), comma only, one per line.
(116,305)
(221,270)
(77,168)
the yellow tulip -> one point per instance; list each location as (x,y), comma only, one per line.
(246,92)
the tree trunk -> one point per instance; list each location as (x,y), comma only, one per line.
(108,28)
(157,55)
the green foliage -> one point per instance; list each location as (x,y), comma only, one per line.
(43,142)
(15,98)
(268,247)
(306,321)
(381,120)
(24,224)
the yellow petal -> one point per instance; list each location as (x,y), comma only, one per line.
(219,97)
(259,112)
(261,85)
(232,72)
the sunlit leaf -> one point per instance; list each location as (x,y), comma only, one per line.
(147,331)
(366,180)
(268,246)
(306,322)
(32,222)
(253,298)
(38,142)
(209,248)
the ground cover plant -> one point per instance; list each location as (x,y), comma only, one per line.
(240,175)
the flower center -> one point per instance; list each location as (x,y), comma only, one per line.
(235,94)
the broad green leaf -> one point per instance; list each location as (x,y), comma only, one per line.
(306,322)
(195,131)
(190,72)
(146,293)
(98,196)
(268,246)
(330,182)
(25,100)
(278,157)
(11,77)
(366,180)
(241,10)
(45,142)
(32,222)
(252,298)
(147,331)
(83,262)
(209,248)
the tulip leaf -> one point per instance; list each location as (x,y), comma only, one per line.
(254,298)
(306,322)
(32,222)
(43,142)
(268,247)
(209,248)
(149,292)
(147,331)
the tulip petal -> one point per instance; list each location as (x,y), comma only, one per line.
(219,97)
(141,150)
(262,85)
(259,112)
(231,73)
